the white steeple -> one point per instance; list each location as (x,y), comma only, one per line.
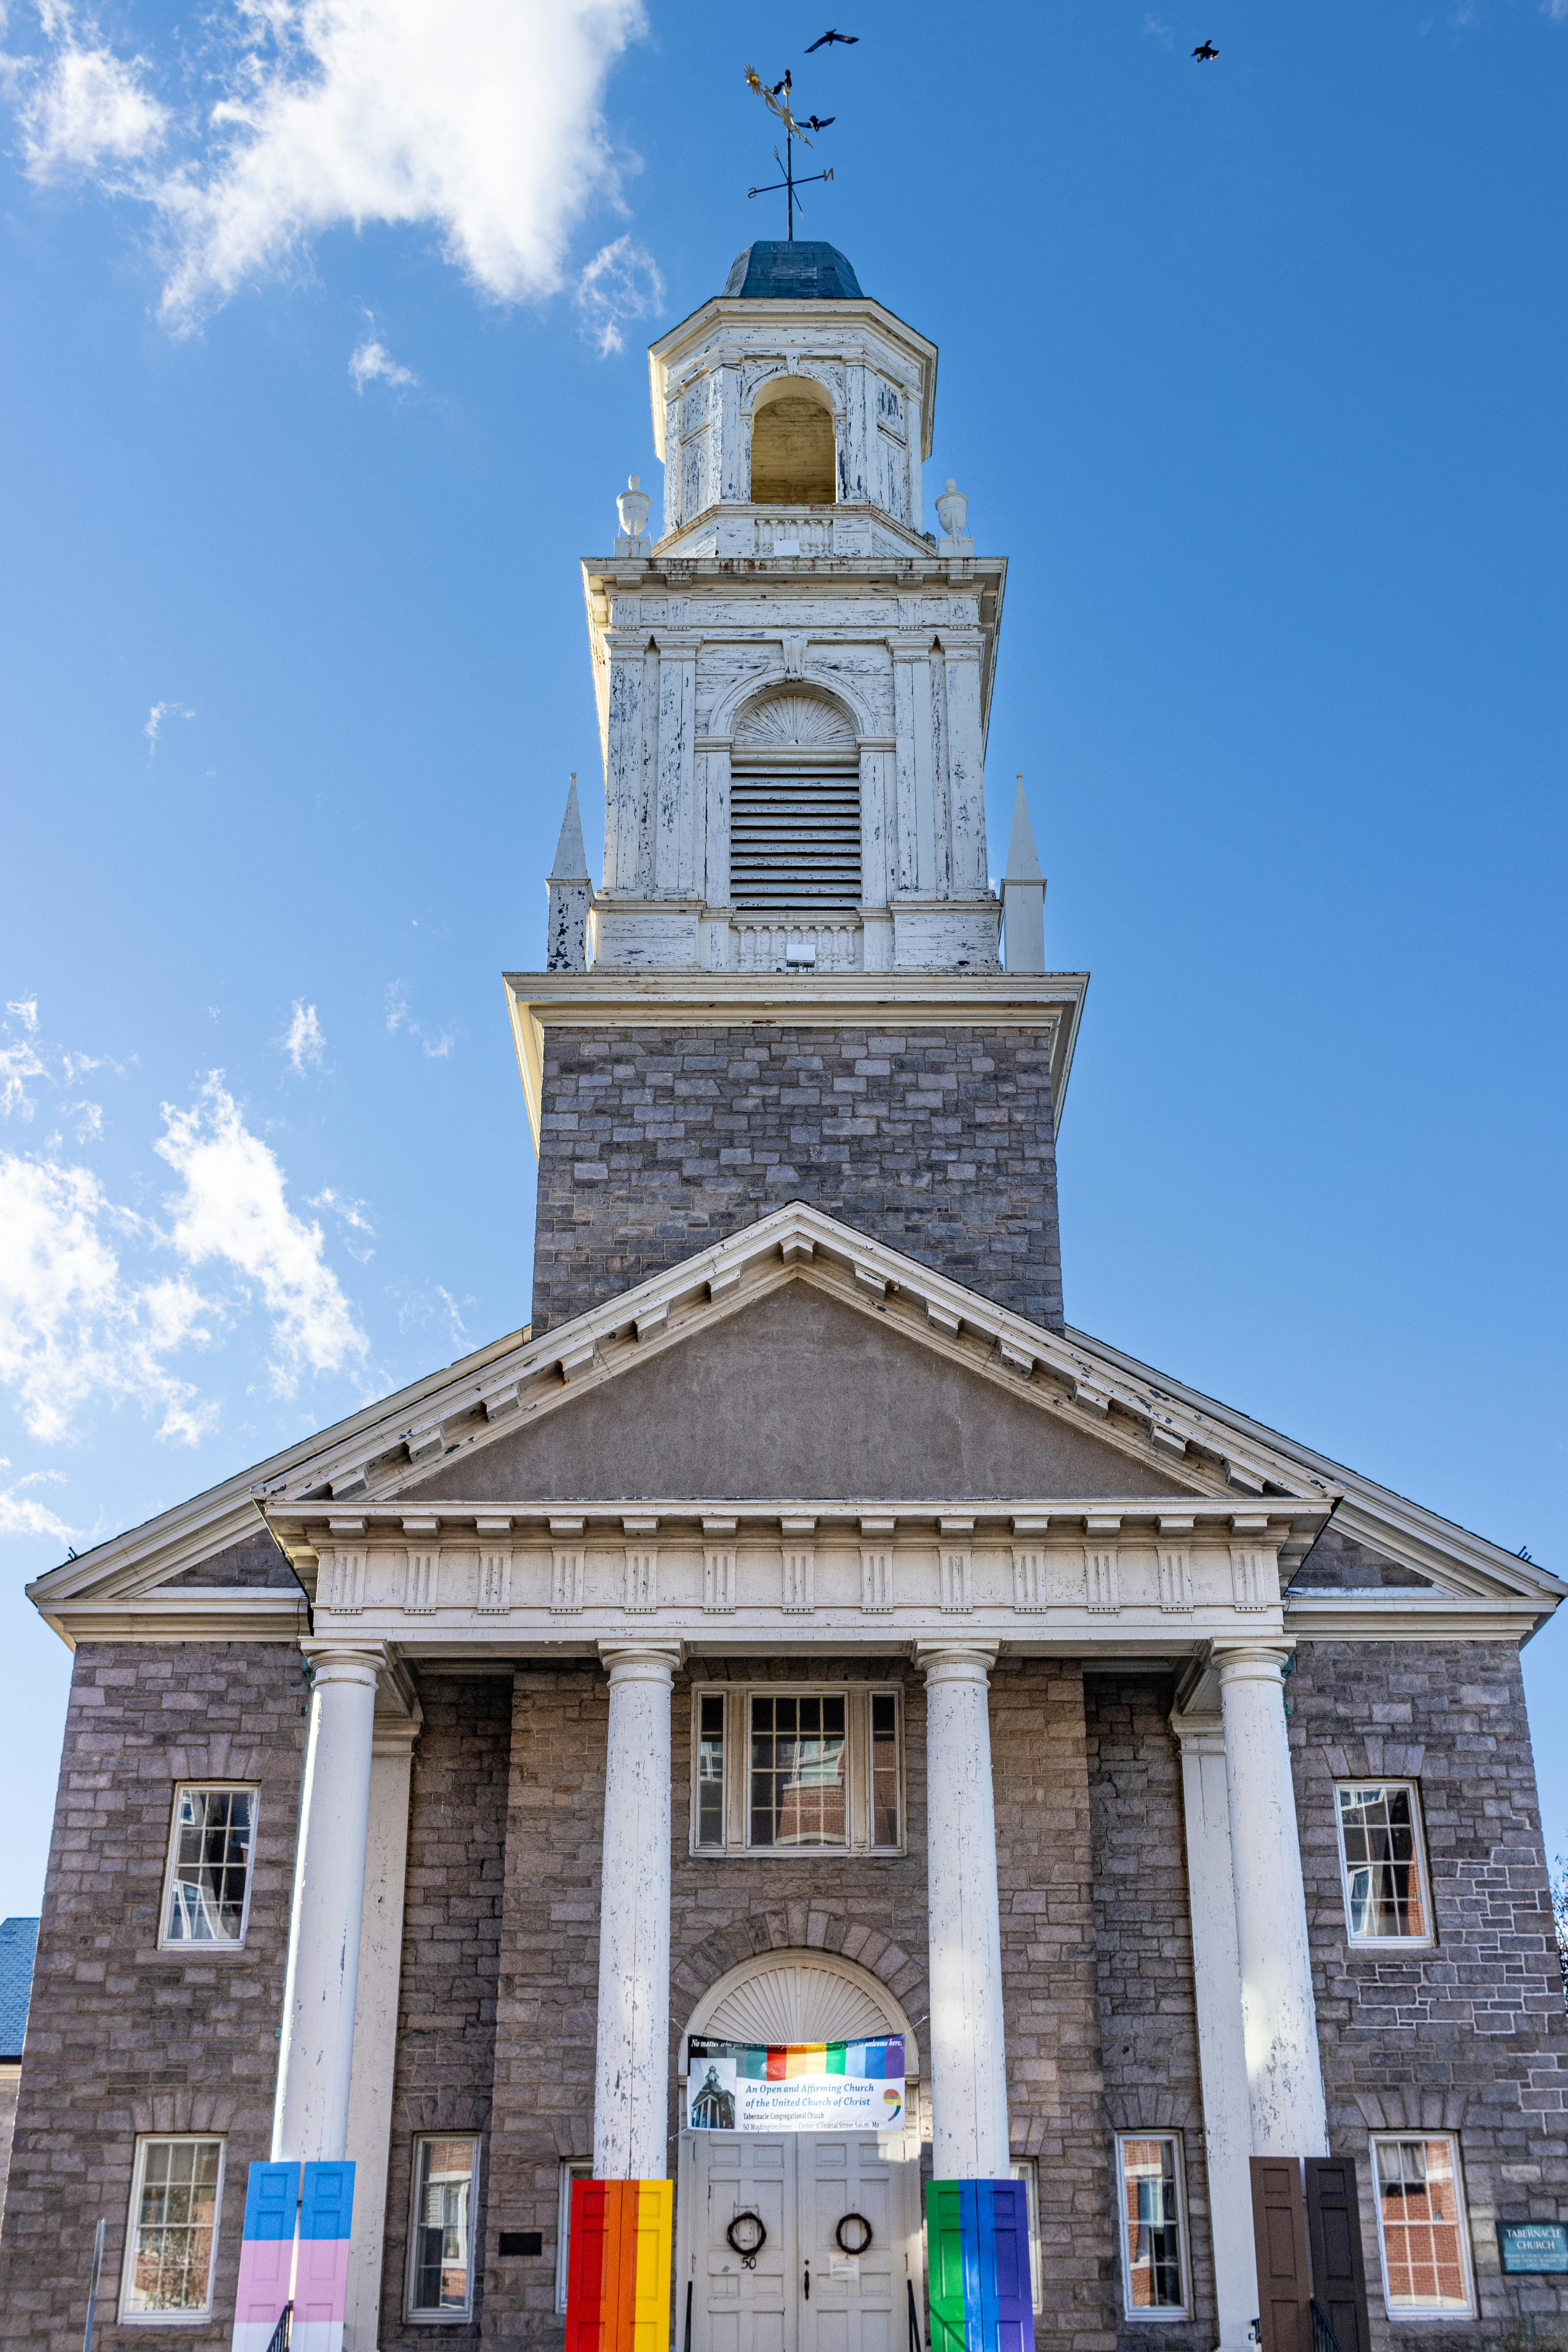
(570,894)
(794,682)
(1023,894)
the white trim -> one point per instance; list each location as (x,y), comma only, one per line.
(413,2318)
(190,1944)
(1427,1940)
(1027,2168)
(1169,2313)
(202,2318)
(832,1964)
(572,2168)
(1444,2311)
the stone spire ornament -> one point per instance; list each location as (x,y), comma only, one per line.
(571,892)
(1023,894)
(952,513)
(632,507)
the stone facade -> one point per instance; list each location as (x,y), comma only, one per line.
(1472,2035)
(124,2037)
(655,1143)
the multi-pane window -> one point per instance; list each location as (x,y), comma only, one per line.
(1149,2192)
(798,1770)
(1380,1850)
(574,2168)
(172,2230)
(1421,2225)
(775,1771)
(210,1853)
(441,2255)
(1024,2168)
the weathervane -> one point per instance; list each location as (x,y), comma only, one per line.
(776,98)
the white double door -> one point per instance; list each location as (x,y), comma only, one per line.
(802,2293)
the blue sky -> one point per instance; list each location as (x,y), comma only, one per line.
(323,363)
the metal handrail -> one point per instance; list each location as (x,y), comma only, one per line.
(914,2316)
(1323,2336)
(283,2333)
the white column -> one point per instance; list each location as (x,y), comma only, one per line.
(631,2080)
(311,2116)
(1222,2050)
(1279,2024)
(968,2051)
(375,2019)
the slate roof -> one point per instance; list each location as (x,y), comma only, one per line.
(779,269)
(18,1943)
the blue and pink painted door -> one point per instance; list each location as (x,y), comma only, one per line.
(295,2249)
(978,2247)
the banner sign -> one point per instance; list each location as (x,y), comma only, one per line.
(796,2086)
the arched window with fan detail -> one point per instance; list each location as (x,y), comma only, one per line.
(794,806)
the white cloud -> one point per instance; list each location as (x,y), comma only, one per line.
(1557,10)
(18,1064)
(72,1325)
(621,283)
(398,1016)
(359,1233)
(305,1042)
(155,718)
(82,108)
(25,1011)
(233,1208)
(372,361)
(22,1513)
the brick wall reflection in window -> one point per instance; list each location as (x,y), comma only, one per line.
(173,2226)
(711,1770)
(884,1768)
(443,2228)
(1148,2179)
(1380,1844)
(1421,2225)
(797,1772)
(209,1866)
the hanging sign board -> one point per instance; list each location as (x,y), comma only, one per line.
(796,2086)
(1532,2249)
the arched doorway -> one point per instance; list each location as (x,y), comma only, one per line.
(802,2289)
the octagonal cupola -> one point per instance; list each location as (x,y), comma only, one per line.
(793,414)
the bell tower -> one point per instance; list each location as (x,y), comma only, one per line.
(791,983)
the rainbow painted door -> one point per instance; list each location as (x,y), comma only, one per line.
(618,2279)
(977,2250)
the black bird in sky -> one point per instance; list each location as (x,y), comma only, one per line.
(778,86)
(819,121)
(1206,52)
(848,40)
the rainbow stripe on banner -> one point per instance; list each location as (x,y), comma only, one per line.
(796,2085)
(791,2062)
(295,2249)
(977,2248)
(618,2266)
(266,2254)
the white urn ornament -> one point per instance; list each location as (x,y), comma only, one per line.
(632,506)
(952,513)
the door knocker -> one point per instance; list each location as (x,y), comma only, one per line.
(862,2228)
(748,2234)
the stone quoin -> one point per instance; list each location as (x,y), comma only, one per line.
(799,1635)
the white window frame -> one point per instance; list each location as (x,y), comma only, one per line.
(1424,1942)
(1174,2313)
(442,2318)
(202,2318)
(1027,2170)
(737,1700)
(167,1943)
(572,2168)
(1447,2313)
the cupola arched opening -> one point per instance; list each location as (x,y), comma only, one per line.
(795,456)
(794,805)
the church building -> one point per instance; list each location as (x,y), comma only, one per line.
(799,1721)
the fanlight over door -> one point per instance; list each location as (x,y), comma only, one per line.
(794,807)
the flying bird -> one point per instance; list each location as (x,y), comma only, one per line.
(778,86)
(849,39)
(1204,52)
(819,121)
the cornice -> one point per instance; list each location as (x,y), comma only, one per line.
(641,999)
(188,1613)
(755,321)
(1399,1614)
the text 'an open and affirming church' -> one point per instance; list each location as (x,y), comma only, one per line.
(798,1804)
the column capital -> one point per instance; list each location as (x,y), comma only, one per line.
(957,1661)
(1256,1661)
(338,1661)
(641,1662)
(1198,1735)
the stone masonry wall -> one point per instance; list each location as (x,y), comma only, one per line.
(451,1958)
(657,1143)
(1144,1952)
(1470,2036)
(124,2038)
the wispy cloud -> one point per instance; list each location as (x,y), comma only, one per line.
(304,1041)
(373,363)
(398,1016)
(479,120)
(1157,31)
(359,1233)
(155,718)
(620,284)
(22,1513)
(433,1304)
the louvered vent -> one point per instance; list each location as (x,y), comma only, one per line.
(794,806)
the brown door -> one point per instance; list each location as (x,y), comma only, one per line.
(1333,2233)
(1280,2233)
